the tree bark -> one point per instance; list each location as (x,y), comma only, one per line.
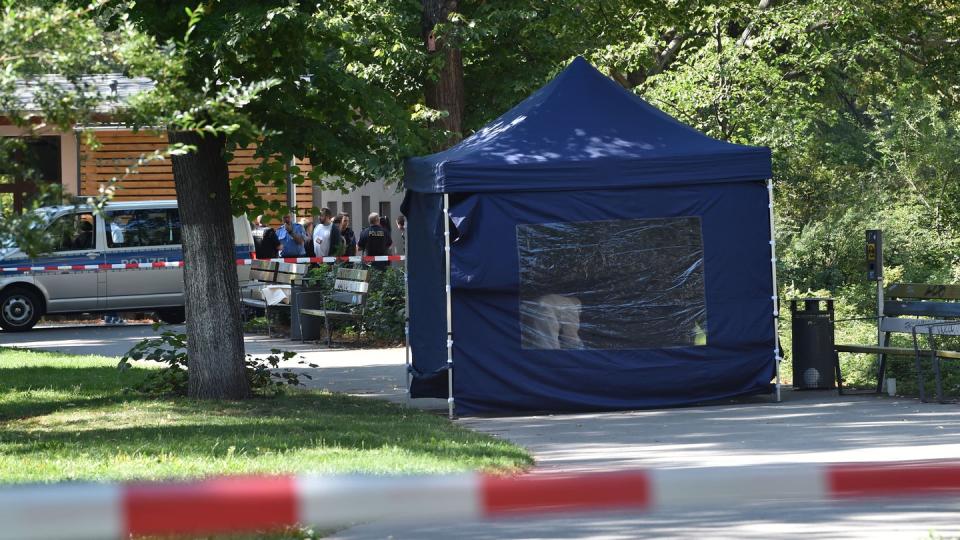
(445,93)
(763,6)
(211,288)
(662,60)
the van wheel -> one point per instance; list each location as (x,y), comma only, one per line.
(172,315)
(20,309)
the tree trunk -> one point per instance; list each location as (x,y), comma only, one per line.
(445,93)
(211,288)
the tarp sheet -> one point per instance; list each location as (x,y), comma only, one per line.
(692,327)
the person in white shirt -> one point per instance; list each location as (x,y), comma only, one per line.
(322,233)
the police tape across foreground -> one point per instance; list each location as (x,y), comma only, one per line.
(179,264)
(245,504)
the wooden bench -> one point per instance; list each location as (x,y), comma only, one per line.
(271,285)
(921,311)
(350,289)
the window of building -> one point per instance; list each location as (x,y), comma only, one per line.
(348,209)
(384,210)
(139,228)
(364,208)
(41,157)
(332,206)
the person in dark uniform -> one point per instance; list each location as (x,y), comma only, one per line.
(375,241)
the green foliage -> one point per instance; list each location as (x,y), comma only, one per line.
(322,277)
(386,305)
(54,49)
(859,101)
(383,318)
(337,84)
(170,348)
(57,52)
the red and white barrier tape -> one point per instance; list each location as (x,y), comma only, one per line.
(241,504)
(178,264)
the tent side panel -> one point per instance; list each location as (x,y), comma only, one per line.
(671,287)
(425,267)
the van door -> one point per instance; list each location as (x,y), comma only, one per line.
(243,246)
(143,236)
(73,290)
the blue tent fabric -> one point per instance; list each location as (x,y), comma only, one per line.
(583,130)
(662,254)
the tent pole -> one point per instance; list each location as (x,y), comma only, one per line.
(406,314)
(773,270)
(446,248)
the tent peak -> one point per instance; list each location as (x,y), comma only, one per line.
(580,130)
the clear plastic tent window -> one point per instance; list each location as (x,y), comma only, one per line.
(624,284)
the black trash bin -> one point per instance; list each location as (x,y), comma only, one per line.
(813,365)
(303,296)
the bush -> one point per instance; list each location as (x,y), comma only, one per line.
(385,309)
(170,348)
(386,305)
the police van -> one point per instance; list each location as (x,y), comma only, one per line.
(124,233)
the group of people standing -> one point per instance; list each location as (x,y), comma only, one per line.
(330,237)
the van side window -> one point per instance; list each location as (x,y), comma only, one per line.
(75,232)
(141,228)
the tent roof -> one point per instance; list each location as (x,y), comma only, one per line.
(583,130)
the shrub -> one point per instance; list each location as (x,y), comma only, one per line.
(170,348)
(385,308)
(386,305)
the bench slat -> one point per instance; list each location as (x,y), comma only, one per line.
(327,313)
(923,291)
(897,351)
(351,286)
(263,264)
(347,297)
(905,326)
(292,268)
(923,309)
(355,274)
(262,275)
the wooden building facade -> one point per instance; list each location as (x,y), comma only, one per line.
(120,149)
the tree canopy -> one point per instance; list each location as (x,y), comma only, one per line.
(858,100)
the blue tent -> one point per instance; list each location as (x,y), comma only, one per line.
(602,256)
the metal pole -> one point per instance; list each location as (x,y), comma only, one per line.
(773,271)
(79,189)
(879,311)
(291,188)
(406,313)
(880,340)
(446,248)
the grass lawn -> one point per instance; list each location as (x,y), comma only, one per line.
(69,418)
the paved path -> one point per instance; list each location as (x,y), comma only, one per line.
(373,372)
(808,427)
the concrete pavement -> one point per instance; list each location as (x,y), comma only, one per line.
(371,372)
(807,427)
